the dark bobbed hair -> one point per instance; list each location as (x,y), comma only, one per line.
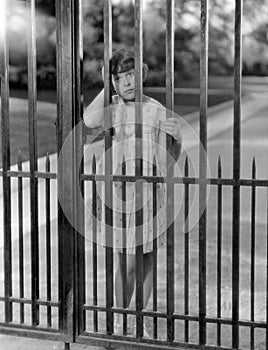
(123,60)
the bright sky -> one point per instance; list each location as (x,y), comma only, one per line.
(2,16)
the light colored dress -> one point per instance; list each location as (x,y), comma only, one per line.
(123,121)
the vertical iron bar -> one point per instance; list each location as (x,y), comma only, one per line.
(79,249)
(203,170)
(138,164)
(236,173)
(219,252)
(170,168)
(94,245)
(21,255)
(267,268)
(65,123)
(32,105)
(154,250)
(5,125)
(170,56)
(59,136)
(108,166)
(186,252)
(252,267)
(48,240)
(124,244)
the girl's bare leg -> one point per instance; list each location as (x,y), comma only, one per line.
(119,279)
(131,277)
(147,277)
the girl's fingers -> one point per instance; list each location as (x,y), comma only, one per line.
(171,127)
(168,128)
(173,131)
(171,123)
(172,120)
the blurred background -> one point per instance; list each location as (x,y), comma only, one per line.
(187,40)
(186,60)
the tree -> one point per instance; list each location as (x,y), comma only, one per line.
(221,33)
(93,35)
(187,37)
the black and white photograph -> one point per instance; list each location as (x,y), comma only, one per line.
(133,174)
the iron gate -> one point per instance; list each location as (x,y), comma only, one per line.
(75,310)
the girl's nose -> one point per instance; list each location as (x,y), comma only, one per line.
(126,80)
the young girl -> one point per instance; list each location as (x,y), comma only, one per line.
(155,127)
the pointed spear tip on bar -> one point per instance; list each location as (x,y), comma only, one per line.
(186,166)
(253,168)
(154,166)
(19,159)
(94,164)
(123,165)
(47,162)
(219,166)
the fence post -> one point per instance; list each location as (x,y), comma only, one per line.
(79,244)
(5,126)
(66,171)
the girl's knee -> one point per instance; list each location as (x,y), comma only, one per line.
(131,265)
(131,270)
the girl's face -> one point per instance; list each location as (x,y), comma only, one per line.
(124,84)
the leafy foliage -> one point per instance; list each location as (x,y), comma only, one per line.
(187,38)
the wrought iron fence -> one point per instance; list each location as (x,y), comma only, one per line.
(78,302)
